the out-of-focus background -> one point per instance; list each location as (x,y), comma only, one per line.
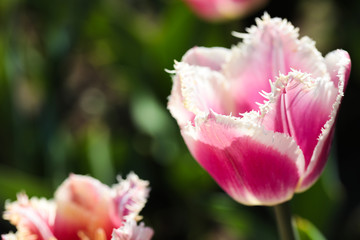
(83,89)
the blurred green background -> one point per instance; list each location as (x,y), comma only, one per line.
(83,89)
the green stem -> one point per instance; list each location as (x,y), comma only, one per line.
(286,226)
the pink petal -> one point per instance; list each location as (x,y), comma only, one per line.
(130,196)
(339,65)
(253,165)
(84,205)
(32,217)
(270,48)
(131,231)
(212,58)
(198,89)
(300,106)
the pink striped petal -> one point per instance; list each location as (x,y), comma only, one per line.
(130,196)
(270,48)
(131,231)
(32,217)
(300,106)
(253,165)
(339,65)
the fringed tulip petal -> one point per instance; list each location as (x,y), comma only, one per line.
(130,196)
(338,61)
(295,97)
(252,165)
(202,89)
(338,65)
(269,49)
(176,104)
(212,60)
(33,218)
(132,231)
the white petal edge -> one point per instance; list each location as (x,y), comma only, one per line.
(250,38)
(213,57)
(131,231)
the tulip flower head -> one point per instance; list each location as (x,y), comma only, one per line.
(83,209)
(220,10)
(259,117)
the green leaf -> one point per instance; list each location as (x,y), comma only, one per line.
(307,230)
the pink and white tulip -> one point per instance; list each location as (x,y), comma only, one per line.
(84,209)
(220,10)
(260,117)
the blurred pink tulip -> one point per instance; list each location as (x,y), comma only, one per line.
(219,10)
(83,208)
(260,117)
